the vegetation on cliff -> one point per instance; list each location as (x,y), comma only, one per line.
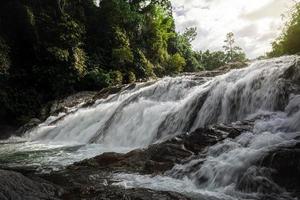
(289,41)
(49,49)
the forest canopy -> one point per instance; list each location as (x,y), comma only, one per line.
(52,48)
(289,40)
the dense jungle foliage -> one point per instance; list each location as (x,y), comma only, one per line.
(289,41)
(52,48)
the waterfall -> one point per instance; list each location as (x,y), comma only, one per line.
(231,169)
(152,112)
(146,114)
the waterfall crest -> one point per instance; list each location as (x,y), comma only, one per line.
(170,106)
(147,113)
(266,92)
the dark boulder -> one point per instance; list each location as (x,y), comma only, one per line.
(18,187)
(161,157)
(285,165)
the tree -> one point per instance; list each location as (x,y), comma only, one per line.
(52,48)
(190,34)
(212,60)
(158,30)
(233,53)
(176,64)
(289,41)
(181,43)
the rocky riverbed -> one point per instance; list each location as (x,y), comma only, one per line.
(93,178)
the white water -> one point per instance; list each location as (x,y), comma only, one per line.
(150,113)
(230,163)
(138,117)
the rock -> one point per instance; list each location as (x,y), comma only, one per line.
(95,184)
(18,187)
(6,131)
(31,124)
(62,105)
(92,178)
(15,186)
(233,65)
(158,158)
(277,172)
(285,165)
(112,193)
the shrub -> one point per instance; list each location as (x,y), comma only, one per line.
(176,64)
(116,77)
(130,77)
(96,79)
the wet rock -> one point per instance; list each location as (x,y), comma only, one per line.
(277,172)
(233,65)
(31,124)
(96,184)
(112,193)
(292,73)
(70,101)
(285,165)
(258,179)
(6,131)
(161,157)
(71,185)
(18,187)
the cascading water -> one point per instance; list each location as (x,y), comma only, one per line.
(230,170)
(138,117)
(149,113)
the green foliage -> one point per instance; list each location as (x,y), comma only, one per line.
(289,41)
(180,44)
(130,77)
(54,48)
(233,53)
(144,67)
(96,79)
(212,60)
(58,54)
(121,55)
(69,32)
(79,61)
(159,26)
(116,77)
(190,34)
(176,64)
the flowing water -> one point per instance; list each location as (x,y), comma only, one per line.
(149,113)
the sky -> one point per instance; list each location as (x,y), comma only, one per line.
(255,23)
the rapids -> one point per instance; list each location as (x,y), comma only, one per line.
(151,113)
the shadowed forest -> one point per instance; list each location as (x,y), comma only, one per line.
(50,49)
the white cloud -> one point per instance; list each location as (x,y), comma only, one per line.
(256,23)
